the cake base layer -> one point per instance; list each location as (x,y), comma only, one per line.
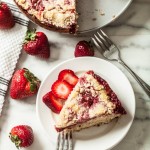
(90,123)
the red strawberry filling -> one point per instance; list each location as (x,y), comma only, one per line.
(37,5)
(67,2)
(87,99)
(111,94)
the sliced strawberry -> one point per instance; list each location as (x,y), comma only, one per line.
(52,102)
(69,76)
(61,89)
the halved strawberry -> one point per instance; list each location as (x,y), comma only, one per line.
(61,89)
(69,76)
(55,104)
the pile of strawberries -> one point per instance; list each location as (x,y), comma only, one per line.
(25,84)
(60,90)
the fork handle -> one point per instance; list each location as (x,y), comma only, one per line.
(144,85)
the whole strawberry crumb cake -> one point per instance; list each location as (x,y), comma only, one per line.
(57,15)
(90,103)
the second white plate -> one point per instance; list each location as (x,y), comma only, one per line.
(105,136)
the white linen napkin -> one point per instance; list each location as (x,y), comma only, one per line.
(10,48)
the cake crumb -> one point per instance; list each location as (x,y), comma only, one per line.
(101,12)
(94,19)
(114,16)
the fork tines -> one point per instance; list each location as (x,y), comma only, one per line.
(64,141)
(100,39)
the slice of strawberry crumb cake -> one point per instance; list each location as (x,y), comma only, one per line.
(90,103)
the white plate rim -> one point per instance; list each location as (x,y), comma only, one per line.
(116,17)
(46,76)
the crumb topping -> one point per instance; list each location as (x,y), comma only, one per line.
(61,13)
(90,98)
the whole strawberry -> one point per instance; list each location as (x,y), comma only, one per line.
(6,17)
(83,48)
(36,43)
(23,84)
(21,136)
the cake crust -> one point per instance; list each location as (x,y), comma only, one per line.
(72,29)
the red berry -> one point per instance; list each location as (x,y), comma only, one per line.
(6,17)
(22,136)
(68,76)
(55,104)
(61,89)
(83,48)
(23,84)
(36,43)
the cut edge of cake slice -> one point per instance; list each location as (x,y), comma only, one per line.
(92,102)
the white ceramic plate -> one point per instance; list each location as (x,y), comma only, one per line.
(105,136)
(98,13)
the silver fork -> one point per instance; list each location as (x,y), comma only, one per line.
(64,141)
(106,47)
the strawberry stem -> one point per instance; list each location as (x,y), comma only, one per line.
(15,139)
(32,87)
(30,36)
(34,81)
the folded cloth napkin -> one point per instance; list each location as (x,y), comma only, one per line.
(10,48)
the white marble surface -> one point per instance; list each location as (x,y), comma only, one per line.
(131,32)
